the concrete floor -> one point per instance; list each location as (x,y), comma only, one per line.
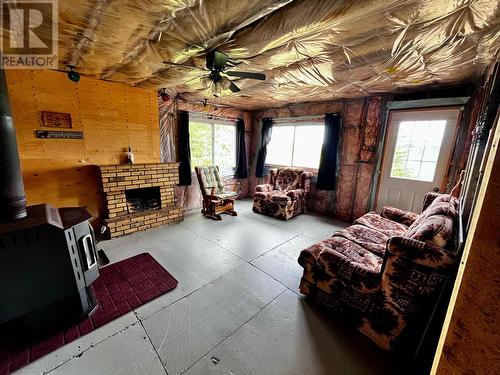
(236,309)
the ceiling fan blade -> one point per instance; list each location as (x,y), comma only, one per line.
(175,65)
(233,87)
(259,76)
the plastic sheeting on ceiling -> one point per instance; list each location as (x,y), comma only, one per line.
(310,50)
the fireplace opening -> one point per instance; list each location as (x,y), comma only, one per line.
(144,199)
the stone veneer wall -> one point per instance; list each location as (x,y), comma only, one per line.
(118,178)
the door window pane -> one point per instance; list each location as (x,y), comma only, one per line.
(308,143)
(417,149)
(279,149)
(427,170)
(225,146)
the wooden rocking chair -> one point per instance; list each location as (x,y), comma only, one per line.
(215,198)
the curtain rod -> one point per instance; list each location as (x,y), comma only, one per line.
(208,116)
(299,118)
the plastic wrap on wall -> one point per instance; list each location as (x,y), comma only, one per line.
(166,110)
(309,49)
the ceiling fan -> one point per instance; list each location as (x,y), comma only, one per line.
(215,77)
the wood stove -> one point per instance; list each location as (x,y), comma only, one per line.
(47,262)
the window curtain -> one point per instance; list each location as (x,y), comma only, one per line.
(241,151)
(265,138)
(184,150)
(328,161)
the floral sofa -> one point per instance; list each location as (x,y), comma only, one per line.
(380,272)
(285,196)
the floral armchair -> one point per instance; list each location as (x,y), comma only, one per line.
(285,196)
(382,271)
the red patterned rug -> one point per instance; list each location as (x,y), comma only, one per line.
(120,288)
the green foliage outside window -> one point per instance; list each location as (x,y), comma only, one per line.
(200,139)
(212,144)
(399,161)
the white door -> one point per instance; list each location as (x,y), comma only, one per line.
(416,156)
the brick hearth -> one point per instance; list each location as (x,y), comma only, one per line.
(116,179)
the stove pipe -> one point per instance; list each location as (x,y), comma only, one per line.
(12,197)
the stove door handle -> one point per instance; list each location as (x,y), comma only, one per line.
(88,249)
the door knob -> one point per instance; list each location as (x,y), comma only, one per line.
(436,190)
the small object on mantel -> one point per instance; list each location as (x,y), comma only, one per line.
(130,156)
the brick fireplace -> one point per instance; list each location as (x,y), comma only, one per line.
(139,196)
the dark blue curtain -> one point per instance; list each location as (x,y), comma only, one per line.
(328,161)
(184,152)
(265,138)
(241,151)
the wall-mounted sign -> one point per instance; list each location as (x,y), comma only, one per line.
(58,134)
(56,120)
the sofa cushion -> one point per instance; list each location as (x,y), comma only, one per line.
(278,196)
(274,196)
(368,238)
(399,216)
(296,193)
(288,179)
(436,224)
(264,187)
(381,224)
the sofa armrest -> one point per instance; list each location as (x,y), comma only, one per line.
(399,216)
(415,268)
(331,258)
(428,199)
(305,179)
(296,193)
(264,188)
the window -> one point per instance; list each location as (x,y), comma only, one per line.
(297,145)
(212,144)
(417,149)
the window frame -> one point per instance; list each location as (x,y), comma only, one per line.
(209,121)
(295,125)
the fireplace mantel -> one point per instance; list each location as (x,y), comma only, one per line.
(117,179)
(143,165)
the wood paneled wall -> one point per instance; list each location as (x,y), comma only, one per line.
(112,116)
